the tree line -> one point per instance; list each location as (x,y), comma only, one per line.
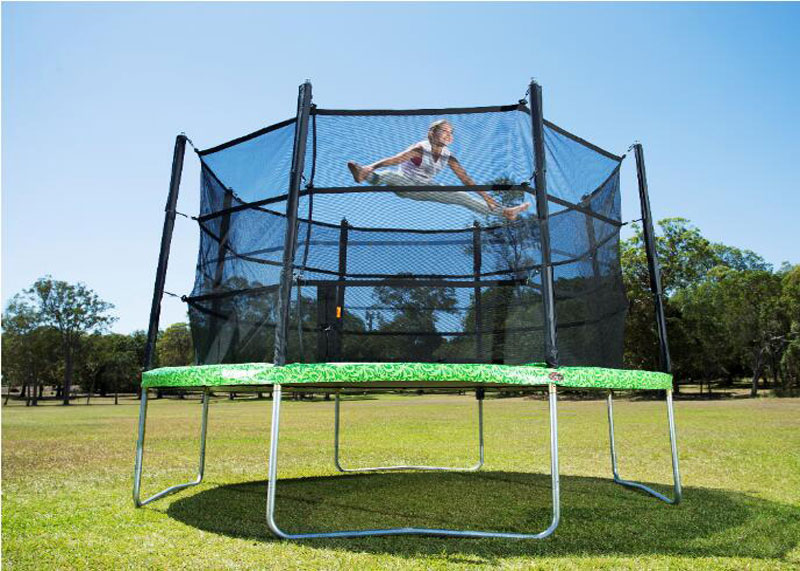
(55,334)
(730,315)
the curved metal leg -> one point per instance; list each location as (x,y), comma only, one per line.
(474,468)
(137,479)
(676,477)
(273,480)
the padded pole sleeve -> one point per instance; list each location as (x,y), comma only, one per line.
(652,260)
(163,256)
(540,182)
(290,243)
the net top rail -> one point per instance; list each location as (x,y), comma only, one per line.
(399,112)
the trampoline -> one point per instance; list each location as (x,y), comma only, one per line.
(462,248)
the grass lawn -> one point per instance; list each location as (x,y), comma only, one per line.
(67,478)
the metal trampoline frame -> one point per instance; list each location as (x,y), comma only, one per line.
(137,479)
(272,478)
(273,481)
(479,395)
(673,442)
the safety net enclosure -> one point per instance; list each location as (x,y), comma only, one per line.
(460,248)
(403,267)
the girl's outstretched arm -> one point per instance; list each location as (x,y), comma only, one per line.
(409,153)
(361,174)
(467,181)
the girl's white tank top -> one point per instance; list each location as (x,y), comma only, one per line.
(424,169)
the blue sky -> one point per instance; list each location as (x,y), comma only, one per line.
(93,95)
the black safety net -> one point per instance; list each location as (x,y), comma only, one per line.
(432,255)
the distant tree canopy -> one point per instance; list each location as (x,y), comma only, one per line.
(174,346)
(728,314)
(110,363)
(55,334)
(72,310)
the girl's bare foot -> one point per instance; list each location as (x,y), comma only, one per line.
(512,212)
(357,171)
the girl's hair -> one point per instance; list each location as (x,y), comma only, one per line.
(436,125)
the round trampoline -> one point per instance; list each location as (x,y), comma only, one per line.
(461,248)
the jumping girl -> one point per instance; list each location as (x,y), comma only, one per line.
(420,163)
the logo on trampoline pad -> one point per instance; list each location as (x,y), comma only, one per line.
(556,376)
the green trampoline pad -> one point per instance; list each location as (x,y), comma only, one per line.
(341,375)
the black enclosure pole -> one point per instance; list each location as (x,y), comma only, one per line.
(338,323)
(540,182)
(290,243)
(163,256)
(652,260)
(477,262)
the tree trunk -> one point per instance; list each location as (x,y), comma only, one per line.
(91,388)
(34,395)
(775,370)
(116,396)
(728,379)
(24,394)
(67,374)
(756,374)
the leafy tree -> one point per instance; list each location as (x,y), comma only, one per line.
(174,346)
(751,316)
(684,255)
(737,259)
(790,305)
(733,322)
(19,324)
(138,340)
(700,280)
(109,363)
(71,309)
(31,353)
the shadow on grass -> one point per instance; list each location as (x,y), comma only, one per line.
(598,517)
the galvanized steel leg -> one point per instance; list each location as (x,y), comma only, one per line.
(273,479)
(676,477)
(137,479)
(474,468)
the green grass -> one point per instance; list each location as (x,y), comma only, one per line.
(67,477)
